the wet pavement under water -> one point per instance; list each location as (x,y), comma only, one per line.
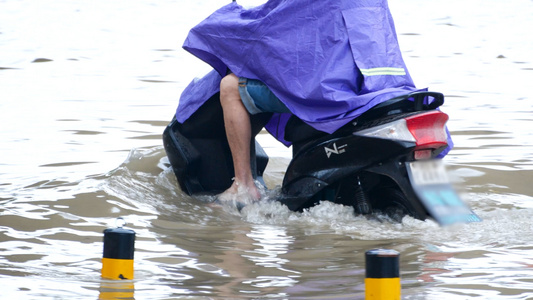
(87,87)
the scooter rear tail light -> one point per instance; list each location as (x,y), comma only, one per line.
(428,129)
(396,130)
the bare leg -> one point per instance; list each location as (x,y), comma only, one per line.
(238,133)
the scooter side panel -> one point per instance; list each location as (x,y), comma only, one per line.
(183,158)
(336,158)
(301,192)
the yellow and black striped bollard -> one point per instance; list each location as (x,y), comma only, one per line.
(382,275)
(119,245)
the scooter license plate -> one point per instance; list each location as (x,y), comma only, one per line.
(428,172)
(430,182)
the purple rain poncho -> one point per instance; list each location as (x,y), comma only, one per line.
(327,61)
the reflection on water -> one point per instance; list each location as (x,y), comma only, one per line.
(86,89)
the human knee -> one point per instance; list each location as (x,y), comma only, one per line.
(229,88)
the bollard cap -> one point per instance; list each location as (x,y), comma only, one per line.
(382,263)
(119,243)
(382,252)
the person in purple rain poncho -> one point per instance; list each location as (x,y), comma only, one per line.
(326,62)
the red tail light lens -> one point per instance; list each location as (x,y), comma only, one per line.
(428,129)
(423,154)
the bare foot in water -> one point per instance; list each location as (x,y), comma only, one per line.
(240,193)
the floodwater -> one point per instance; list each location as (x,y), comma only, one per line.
(87,87)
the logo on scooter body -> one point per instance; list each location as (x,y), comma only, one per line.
(335,149)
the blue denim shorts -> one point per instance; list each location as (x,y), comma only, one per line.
(258,98)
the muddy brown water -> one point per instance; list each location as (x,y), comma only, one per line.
(86,88)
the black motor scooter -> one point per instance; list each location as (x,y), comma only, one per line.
(382,161)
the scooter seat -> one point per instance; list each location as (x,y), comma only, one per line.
(298,131)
